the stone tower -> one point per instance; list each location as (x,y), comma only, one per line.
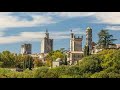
(75,54)
(26,49)
(75,42)
(46,44)
(89,38)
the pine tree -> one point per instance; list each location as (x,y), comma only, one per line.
(105,39)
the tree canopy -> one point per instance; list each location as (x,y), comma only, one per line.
(105,39)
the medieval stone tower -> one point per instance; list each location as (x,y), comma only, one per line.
(89,38)
(46,44)
(75,42)
(26,49)
(75,52)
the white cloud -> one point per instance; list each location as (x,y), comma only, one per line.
(113,27)
(100,17)
(22,37)
(36,36)
(77,31)
(7,20)
(66,34)
(108,17)
(5,13)
(73,14)
(2,33)
(32,35)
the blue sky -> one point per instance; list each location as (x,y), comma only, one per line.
(17,28)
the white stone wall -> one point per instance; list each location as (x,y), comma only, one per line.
(46,45)
(56,64)
(42,46)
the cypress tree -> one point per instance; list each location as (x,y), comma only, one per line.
(86,51)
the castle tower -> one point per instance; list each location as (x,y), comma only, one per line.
(26,49)
(46,44)
(76,52)
(75,42)
(71,41)
(89,38)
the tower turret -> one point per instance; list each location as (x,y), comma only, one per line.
(89,38)
(46,34)
(72,34)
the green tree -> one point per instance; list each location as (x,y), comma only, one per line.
(1,64)
(40,72)
(65,60)
(73,71)
(52,56)
(8,59)
(86,51)
(38,63)
(90,64)
(62,50)
(105,39)
(28,62)
(101,74)
(110,58)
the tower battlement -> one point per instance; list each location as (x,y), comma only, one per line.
(76,52)
(79,38)
(75,42)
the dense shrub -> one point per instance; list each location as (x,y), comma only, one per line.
(90,64)
(105,64)
(40,72)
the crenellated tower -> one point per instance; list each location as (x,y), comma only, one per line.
(75,42)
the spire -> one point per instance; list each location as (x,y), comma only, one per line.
(46,31)
(47,34)
(72,34)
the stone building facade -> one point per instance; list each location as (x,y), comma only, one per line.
(75,52)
